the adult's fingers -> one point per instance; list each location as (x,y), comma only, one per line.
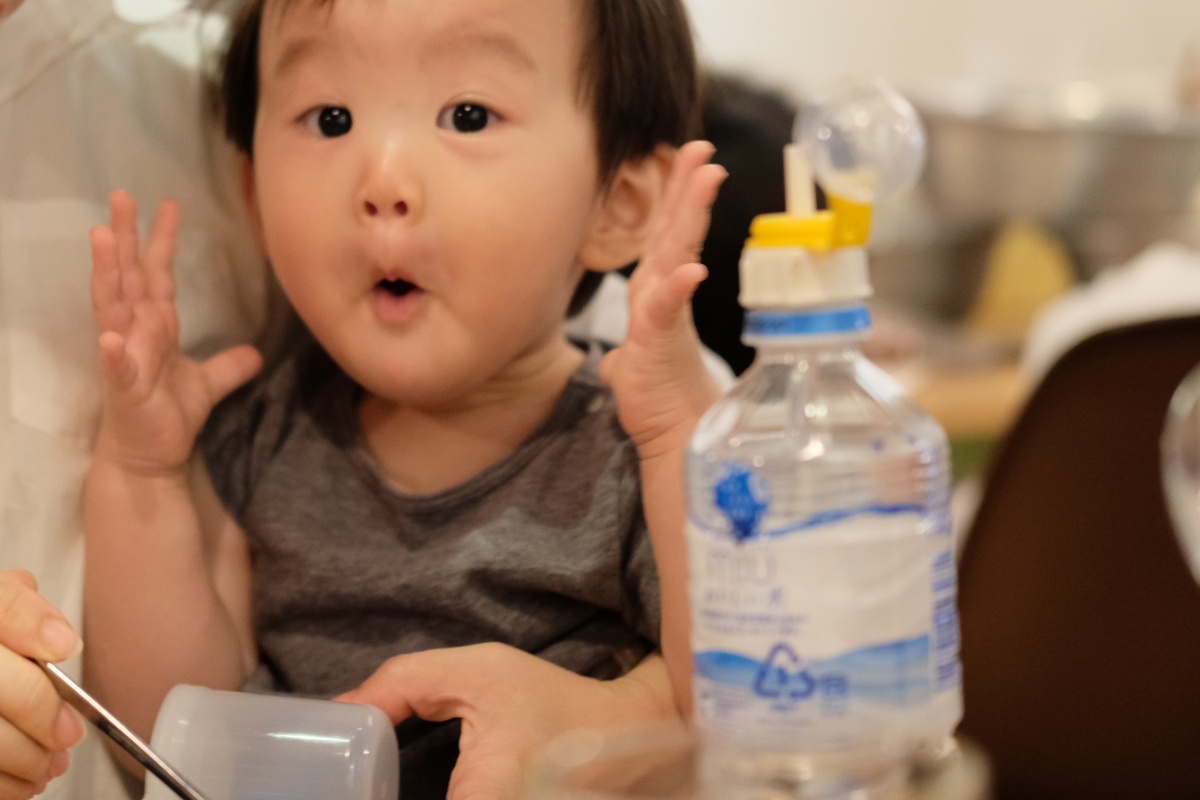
(21,757)
(13,788)
(432,684)
(29,625)
(29,703)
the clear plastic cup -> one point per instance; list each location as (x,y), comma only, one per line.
(241,746)
(677,762)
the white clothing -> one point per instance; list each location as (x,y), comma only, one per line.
(1162,281)
(91,102)
(606,319)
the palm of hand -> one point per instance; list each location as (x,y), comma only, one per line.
(161,400)
(657,374)
(157,398)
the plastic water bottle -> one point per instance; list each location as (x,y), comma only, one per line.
(822,572)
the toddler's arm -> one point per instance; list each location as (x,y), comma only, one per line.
(511,704)
(662,387)
(166,581)
(36,727)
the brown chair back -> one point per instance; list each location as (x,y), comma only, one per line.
(1080,619)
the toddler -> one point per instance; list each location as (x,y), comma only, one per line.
(435,498)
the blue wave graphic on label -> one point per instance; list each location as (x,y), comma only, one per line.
(896,673)
(743,498)
(840,514)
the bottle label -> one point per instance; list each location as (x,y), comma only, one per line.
(844,620)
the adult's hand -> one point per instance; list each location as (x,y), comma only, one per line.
(511,704)
(36,726)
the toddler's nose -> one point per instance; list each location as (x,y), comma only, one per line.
(398,207)
(390,187)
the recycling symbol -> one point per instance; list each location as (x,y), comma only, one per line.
(783,676)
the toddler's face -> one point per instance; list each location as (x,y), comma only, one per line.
(425,174)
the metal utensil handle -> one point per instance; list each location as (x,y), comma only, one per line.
(112,727)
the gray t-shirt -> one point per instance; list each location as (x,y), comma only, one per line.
(546,551)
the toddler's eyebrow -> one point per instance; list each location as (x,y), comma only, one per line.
(295,52)
(476,39)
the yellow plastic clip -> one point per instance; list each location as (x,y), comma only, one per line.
(852,222)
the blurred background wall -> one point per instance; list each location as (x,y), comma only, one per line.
(1125,45)
(1015,211)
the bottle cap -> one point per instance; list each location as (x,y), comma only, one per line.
(805,257)
(796,277)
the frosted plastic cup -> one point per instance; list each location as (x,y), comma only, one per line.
(241,746)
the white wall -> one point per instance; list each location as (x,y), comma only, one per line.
(1123,45)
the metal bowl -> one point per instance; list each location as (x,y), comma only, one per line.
(1057,156)
(1108,178)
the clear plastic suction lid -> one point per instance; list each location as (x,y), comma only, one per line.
(864,140)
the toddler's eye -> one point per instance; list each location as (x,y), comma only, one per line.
(466,117)
(330,121)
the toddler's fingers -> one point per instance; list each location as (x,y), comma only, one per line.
(608,366)
(30,626)
(160,252)
(120,369)
(685,224)
(687,160)
(671,298)
(108,300)
(124,227)
(229,369)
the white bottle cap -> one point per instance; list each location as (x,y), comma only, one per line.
(805,257)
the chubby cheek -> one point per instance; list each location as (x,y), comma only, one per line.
(533,238)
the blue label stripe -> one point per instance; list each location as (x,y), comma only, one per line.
(893,673)
(807,323)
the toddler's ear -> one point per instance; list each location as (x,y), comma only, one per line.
(250,196)
(630,208)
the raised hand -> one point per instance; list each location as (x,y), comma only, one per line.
(657,374)
(511,704)
(36,727)
(157,398)
(662,387)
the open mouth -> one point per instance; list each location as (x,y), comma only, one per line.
(397,288)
